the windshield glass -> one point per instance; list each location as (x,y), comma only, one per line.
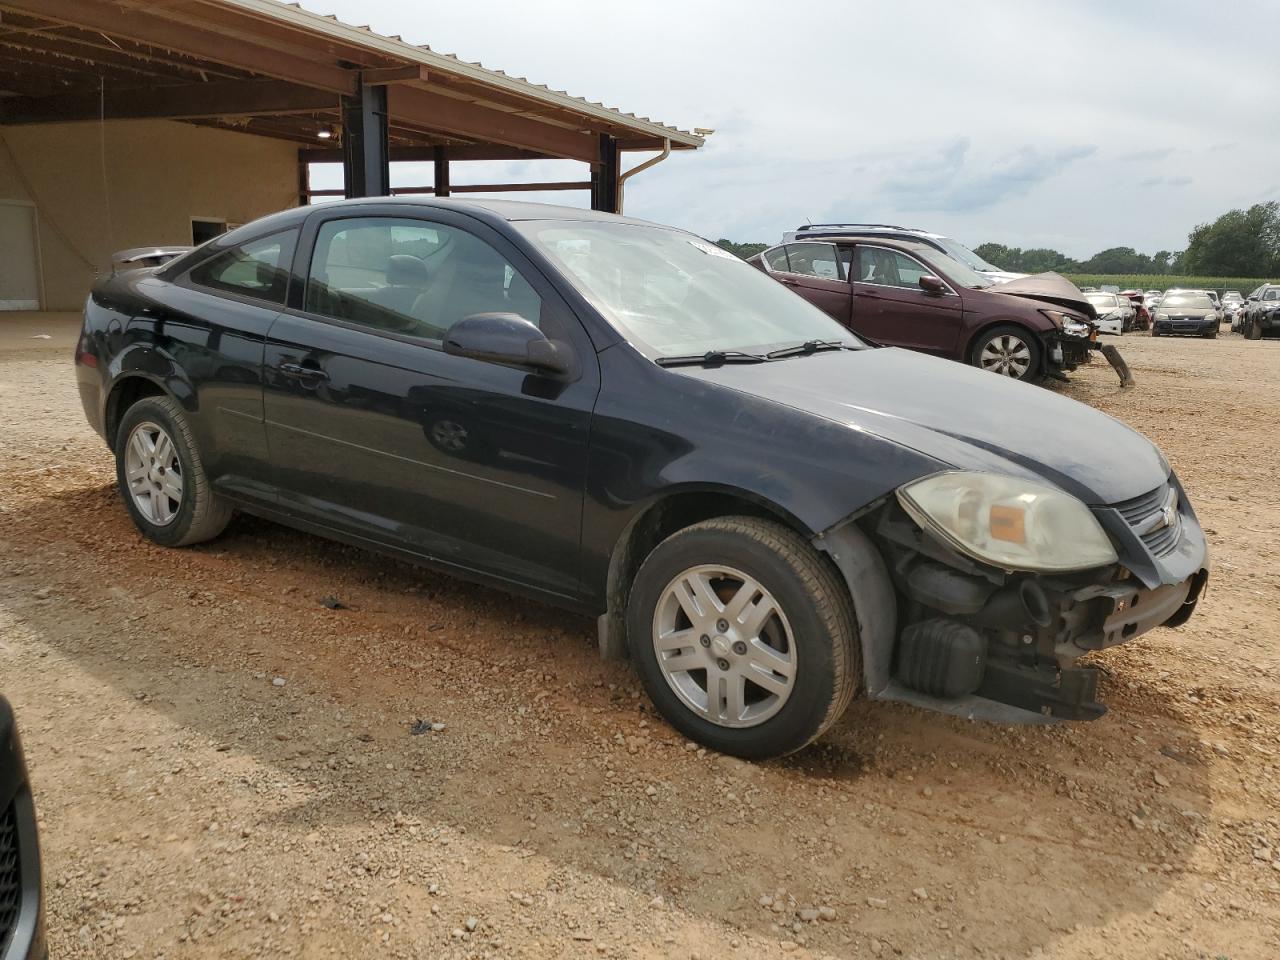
(1232,295)
(673,294)
(1187,300)
(956,270)
(1102,299)
(958,251)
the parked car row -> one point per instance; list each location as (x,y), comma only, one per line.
(766,512)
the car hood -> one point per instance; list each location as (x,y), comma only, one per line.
(1001,276)
(1050,287)
(963,417)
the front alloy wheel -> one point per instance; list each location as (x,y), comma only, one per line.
(744,636)
(724,646)
(1006,354)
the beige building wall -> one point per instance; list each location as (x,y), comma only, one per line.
(130,183)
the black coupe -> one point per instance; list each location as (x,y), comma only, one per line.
(767,514)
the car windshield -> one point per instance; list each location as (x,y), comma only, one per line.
(1187,300)
(956,271)
(1102,299)
(958,251)
(673,294)
(1232,295)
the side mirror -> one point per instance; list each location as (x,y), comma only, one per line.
(932,284)
(506,338)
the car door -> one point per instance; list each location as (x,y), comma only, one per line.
(891,307)
(377,433)
(816,272)
(212,320)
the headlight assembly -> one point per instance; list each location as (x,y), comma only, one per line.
(1009,523)
(1068,322)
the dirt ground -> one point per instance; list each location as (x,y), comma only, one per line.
(225,767)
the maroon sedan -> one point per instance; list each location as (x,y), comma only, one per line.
(905,294)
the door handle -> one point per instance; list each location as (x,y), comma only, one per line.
(299,372)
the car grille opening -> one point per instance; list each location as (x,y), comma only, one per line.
(1142,511)
(10,877)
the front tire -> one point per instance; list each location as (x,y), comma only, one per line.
(744,637)
(1009,351)
(162,478)
(1255,330)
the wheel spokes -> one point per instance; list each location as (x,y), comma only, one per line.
(731,661)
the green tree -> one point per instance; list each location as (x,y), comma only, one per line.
(1117,260)
(1001,256)
(1239,243)
(1044,259)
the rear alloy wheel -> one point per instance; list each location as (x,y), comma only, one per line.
(1009,351)
(744,636)
(162,478)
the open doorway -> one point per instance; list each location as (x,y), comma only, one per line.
(20,255)
(206,228)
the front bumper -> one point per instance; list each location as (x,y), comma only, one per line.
(990,644)
(1064,351)
(21,901)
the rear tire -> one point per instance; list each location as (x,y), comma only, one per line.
(161,476)
(1255,331)
(795,631)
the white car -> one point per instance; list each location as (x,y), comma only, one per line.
(1114,312)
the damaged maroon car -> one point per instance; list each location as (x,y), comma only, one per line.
(906,294)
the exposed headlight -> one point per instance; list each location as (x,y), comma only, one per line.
(1009,523)
(1068,322)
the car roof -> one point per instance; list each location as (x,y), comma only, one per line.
(509,210)
(865,228)
(901,243)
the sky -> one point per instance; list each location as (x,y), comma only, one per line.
(1074,125)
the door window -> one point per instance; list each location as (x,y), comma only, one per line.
(820,260)
(258,269)
(411,277)
(888,268)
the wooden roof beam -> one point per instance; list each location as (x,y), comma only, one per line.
(434,112)
(192,40)
(224,98)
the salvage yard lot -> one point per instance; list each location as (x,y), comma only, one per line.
(225,766)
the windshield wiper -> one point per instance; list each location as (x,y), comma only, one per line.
(804,349)
(712,358)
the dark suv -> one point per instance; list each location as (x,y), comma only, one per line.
(21,907)
(1262,312)
(907,294)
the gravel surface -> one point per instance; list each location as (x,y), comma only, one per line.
(227,764)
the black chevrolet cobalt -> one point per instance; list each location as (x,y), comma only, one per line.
(766,514)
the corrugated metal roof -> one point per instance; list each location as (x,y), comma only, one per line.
(293,15)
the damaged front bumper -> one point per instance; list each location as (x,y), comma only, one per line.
(997,645)
(1066,352)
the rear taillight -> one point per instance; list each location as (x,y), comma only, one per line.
(83,356)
